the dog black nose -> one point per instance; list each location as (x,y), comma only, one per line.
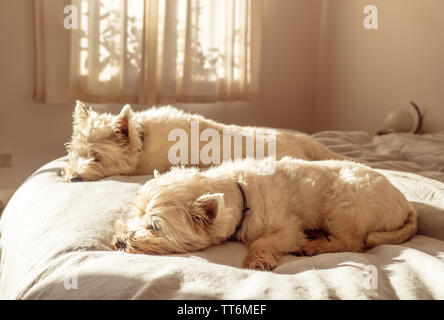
(75,179)
(120,244)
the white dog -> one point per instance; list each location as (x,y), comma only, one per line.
(187,210)
(134,143)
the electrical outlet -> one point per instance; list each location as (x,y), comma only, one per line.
(5,159)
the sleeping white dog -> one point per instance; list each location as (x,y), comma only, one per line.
(135,143)
(187,210)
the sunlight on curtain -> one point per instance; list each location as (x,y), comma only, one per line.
(161,51)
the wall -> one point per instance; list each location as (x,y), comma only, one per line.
(35,132)
(363,74)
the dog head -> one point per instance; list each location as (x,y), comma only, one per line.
(102,144)
(176,212)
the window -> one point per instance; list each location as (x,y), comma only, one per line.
(153,51)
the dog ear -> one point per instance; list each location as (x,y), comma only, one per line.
(122,122)
(120,227)
(80,112)
(206,208)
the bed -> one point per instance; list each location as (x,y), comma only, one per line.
(55,236)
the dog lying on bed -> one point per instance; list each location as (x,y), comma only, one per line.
(187,210)
(134,143)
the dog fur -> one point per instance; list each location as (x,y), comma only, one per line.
(187,210)
(135,143)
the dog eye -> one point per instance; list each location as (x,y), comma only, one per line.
(95,157)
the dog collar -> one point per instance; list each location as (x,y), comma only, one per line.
(244,212)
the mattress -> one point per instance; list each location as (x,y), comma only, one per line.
(55,241)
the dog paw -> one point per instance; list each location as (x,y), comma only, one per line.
(298,253)
(311,248)
(260,261)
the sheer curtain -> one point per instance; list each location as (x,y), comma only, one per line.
(152,51)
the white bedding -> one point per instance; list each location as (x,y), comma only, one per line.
(55,235)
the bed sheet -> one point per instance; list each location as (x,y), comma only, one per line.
(55,241)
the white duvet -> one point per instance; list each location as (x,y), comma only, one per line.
(54,241)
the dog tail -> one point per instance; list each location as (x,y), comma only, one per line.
(319,151)
(397,236)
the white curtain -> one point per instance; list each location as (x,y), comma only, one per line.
(150,51)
